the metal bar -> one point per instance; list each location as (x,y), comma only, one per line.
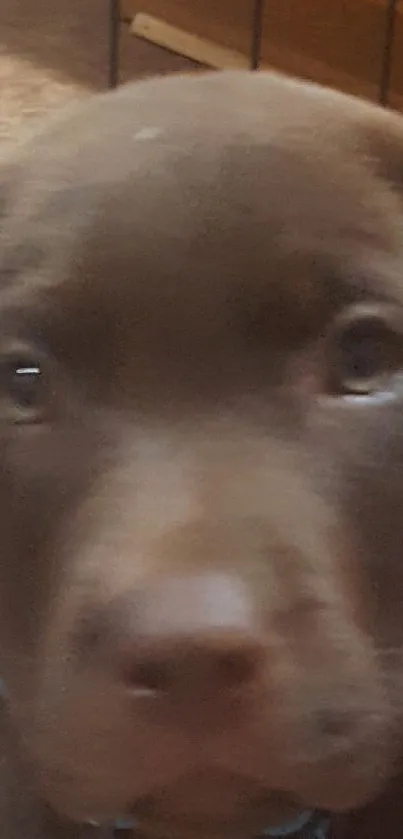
(387,53)
(257,25)
(114,43)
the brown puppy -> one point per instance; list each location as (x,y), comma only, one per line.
(201,488)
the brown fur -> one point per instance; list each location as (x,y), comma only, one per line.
(201,577)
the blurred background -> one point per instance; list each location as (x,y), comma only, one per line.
(53,50)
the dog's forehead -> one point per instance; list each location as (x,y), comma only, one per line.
(190,193)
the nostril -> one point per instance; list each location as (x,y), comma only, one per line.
(195,666)
(234,668)
(186,634)
(335,724)
(149,676)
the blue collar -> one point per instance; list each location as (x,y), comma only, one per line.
(310,824)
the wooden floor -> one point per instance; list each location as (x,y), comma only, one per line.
(53,50)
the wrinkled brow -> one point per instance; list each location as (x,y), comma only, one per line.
(69,317)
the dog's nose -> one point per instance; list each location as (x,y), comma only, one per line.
(192,635)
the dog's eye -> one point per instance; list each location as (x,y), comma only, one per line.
(365,351)
(25,382)
(22,386)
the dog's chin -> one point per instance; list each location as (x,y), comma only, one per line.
(221,803)
(240,812)
(167,815)
(214,804)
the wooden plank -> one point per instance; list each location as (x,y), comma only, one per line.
(345,35)
(213,55)
(224,22)
(336,42)
(185,43)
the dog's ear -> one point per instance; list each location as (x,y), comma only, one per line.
(10,182)
(5,200)
(383,137)
(4,194)
(9,177)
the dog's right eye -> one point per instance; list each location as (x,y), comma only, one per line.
(365,351)
(23,388)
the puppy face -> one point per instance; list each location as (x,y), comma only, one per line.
(201,406)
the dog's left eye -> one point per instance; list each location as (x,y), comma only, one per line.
(23,388)
(365,351)
(25,383)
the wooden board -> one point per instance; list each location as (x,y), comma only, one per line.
(336,42)
(185,43)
